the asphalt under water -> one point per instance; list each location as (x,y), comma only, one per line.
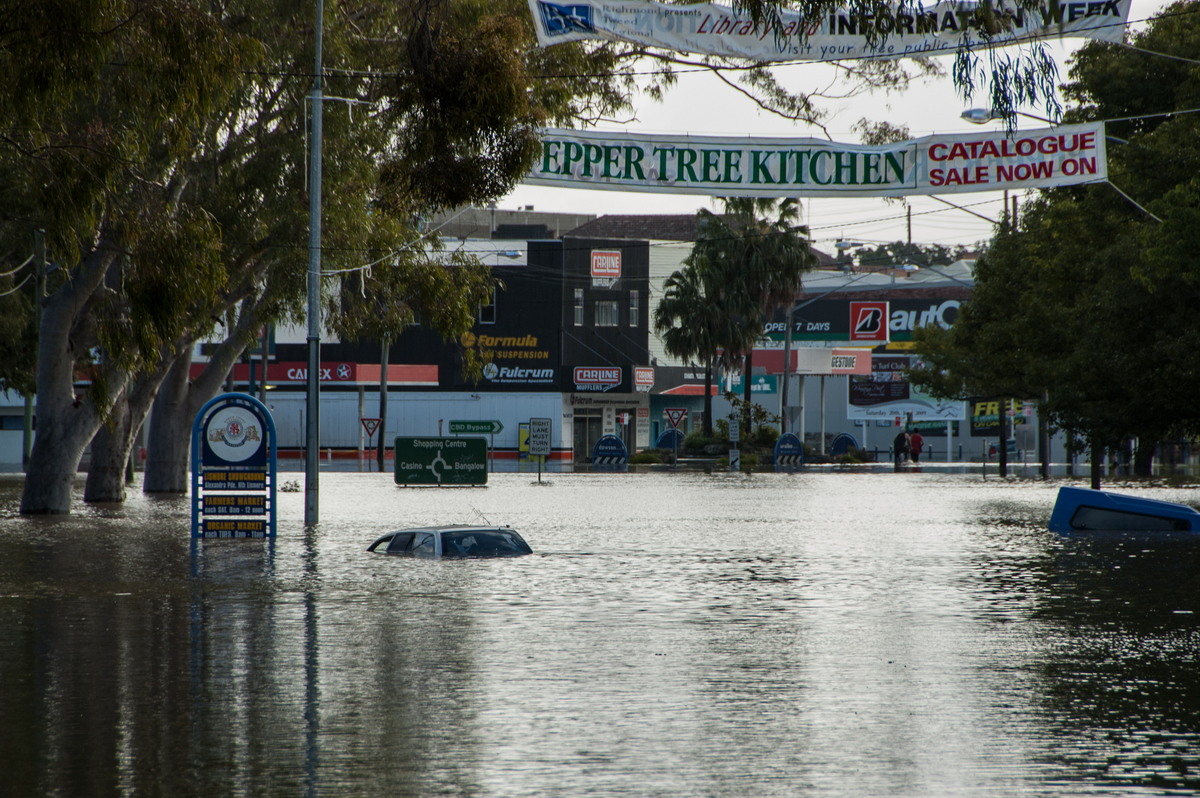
(823,634)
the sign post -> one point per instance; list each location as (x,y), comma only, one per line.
(369,426)
(735,434)
(234,470)
(675,416)
(540,432)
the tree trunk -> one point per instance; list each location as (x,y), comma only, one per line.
(1143,460)
(384,348)
(114,440)
(1097,455)
(1002,446)
(169,437)
(65,423)
(708,381)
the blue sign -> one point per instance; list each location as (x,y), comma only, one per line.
(842,443)
(610,454)
(234,469)
(789,452)
(670,439)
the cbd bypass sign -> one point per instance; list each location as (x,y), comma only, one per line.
(441,461)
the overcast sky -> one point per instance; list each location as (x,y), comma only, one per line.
(702,104)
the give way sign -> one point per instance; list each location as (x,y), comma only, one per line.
(370,425)
(676,415)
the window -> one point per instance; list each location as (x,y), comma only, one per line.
(635,301)
(608,314)
(487,312)
(578,307)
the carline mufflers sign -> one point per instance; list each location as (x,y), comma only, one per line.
(597,378)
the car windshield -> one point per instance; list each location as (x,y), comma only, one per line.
(483,543)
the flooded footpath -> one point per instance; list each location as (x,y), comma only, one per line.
(674,634)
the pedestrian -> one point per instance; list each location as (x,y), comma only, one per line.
(900,447)
(915,444)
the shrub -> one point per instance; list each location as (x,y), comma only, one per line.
(645,458)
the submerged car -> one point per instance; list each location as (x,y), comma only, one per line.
(450,542)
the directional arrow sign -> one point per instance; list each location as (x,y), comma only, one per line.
(475,427)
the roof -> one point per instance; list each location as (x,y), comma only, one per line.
(655,227)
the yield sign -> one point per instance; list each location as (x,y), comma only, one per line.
(676,415)
(370,425)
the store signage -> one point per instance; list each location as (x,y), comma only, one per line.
(606,267)
(868,322)
(836,34)
(643,378)
(597,378)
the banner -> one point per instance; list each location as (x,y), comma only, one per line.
(912,29)
(887,393)
(804,167)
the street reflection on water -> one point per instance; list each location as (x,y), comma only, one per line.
(845,634)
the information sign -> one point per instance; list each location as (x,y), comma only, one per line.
(233,469)
(441,461)
(540,432)
(610,454)
(789,452)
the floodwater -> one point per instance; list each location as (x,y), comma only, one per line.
(675,634)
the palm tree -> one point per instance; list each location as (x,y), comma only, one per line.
(688,324)
(754,264)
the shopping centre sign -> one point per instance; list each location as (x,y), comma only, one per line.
(805,167)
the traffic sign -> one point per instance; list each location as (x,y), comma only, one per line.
(676,415)
(539,436)
(370,425)
(441,461)
(475,427)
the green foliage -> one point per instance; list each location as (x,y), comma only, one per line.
(1089,304)
(645,458)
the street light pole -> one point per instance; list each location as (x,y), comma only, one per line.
(312,445)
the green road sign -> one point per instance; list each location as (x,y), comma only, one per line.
(475,427)
(441,461)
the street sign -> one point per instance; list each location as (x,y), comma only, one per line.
(370,425)
(234,469)
(676,415)
(441,461)
(610,454)
(540,432)
(735,460)
(475,427)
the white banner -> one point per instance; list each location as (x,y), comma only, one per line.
(803,167)
(912,29)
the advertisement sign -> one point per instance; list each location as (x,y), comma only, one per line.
(597,378)
(886,393)
(924,29)
(643,378)
(513,360)
(759,384)
(610,454)
(805,167)
(441,461)
(829,320)
(985,416)
(606,268)
(868,322)
(789,452)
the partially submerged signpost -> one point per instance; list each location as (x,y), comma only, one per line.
(441,461)
(234,469)
(540,432)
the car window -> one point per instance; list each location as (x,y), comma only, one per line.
(381,544)
(423,545)
(483,543)
(400,542)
